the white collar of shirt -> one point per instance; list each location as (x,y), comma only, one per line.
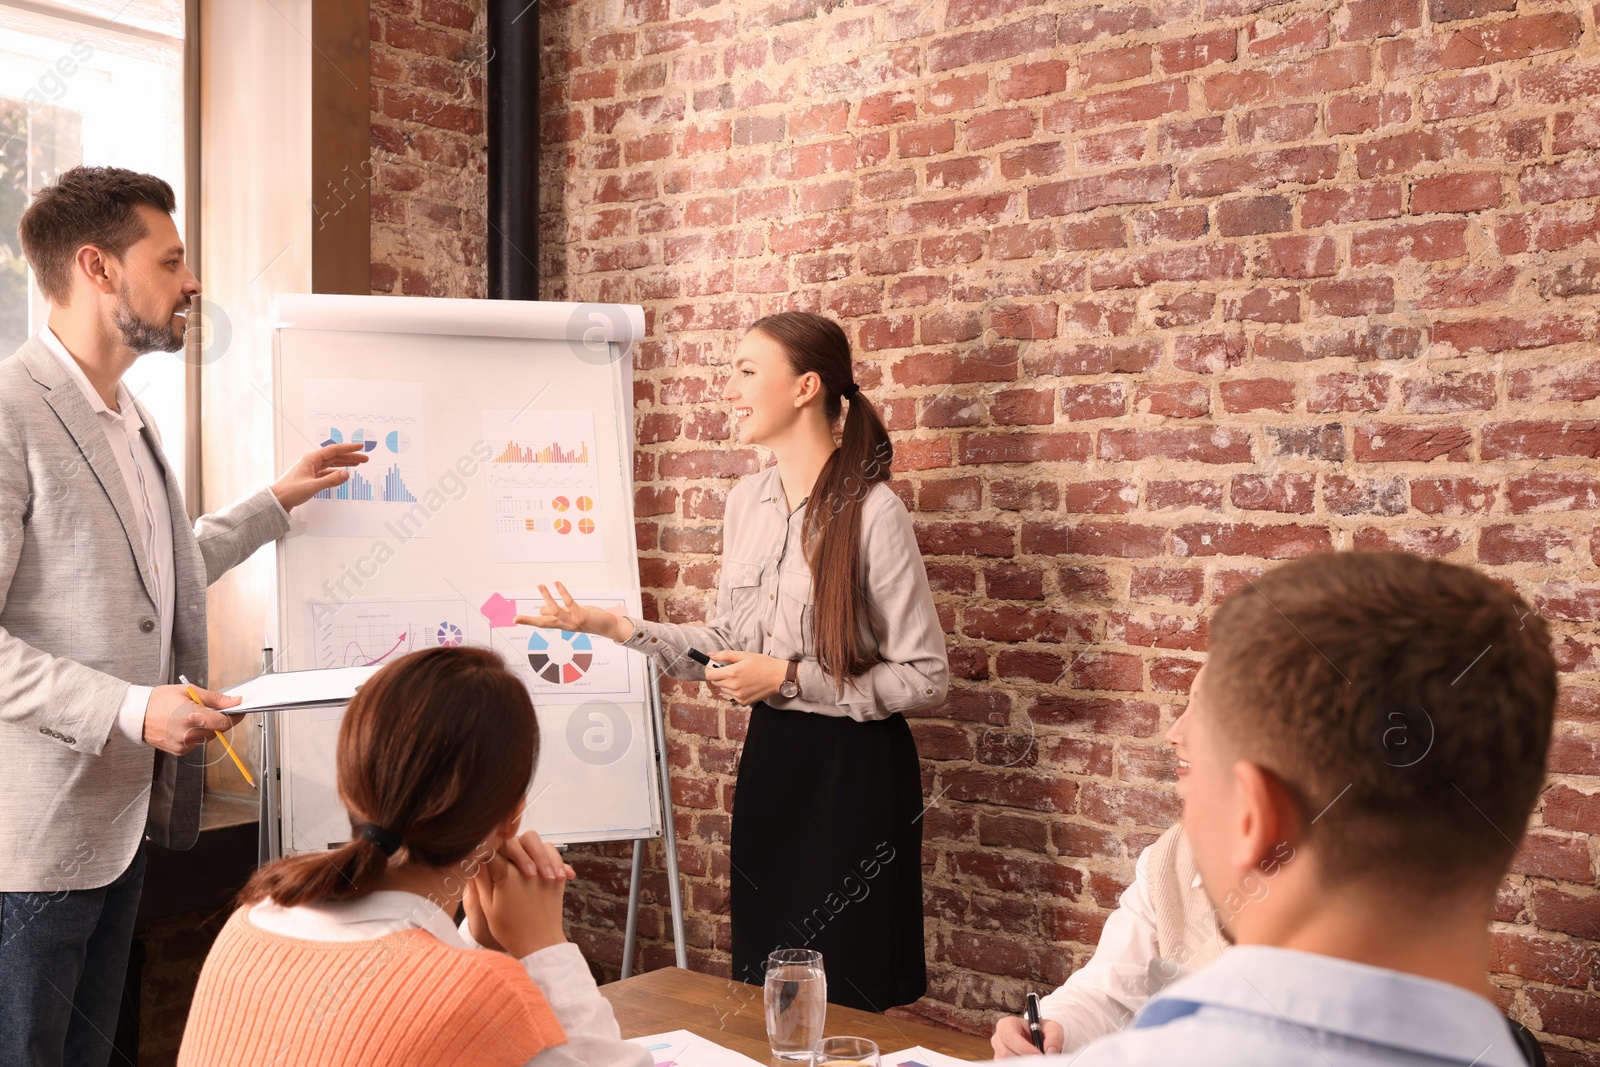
(374,915)
(771,485)
(772,489)
(1354,1000)
(127,410)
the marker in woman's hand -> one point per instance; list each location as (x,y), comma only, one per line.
(703,659)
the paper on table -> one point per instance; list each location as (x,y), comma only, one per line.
(917,1056)
(680,1048)
(298,689)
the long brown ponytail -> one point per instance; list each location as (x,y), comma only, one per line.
(435,749)
(833,512)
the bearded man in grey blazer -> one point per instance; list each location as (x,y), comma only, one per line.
(102,607)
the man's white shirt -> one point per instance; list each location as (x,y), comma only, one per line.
(1260,1005)
(147,489)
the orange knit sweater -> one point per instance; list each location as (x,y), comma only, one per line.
(400,999)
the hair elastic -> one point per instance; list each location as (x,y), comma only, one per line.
(849,392)
(388,841)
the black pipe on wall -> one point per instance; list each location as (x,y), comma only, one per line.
(512,74)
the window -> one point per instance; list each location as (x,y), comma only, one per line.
(98,82)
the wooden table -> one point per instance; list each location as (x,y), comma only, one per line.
(732,1015)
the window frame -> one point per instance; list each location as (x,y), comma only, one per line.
(186,453)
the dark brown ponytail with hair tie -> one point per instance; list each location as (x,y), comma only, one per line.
(388,841)
(434,752)
(832,533)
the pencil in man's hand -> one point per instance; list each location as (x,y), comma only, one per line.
(237,762)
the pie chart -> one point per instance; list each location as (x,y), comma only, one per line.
(563,526)
(397,442)
(560,503)
(360,437)
(585,503)
(586,526)
(448,635)
(560,659)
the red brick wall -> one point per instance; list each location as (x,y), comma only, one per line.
(429,180)
(1153,293)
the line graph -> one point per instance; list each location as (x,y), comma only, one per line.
(536,477)
(358,658)
(367,632)
(358,417)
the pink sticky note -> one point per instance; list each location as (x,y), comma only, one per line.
(499,611)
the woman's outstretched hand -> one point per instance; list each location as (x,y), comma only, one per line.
(746,676)
(569,615)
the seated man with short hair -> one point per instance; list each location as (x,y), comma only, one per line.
(1357,762)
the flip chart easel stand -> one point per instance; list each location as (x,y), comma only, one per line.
(270,840)
(669,826)
(456,369)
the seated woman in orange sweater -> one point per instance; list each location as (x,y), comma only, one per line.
(351,957)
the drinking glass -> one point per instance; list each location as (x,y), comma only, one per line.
(796,995)
(845,1052)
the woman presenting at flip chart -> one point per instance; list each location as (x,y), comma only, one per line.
(826,627)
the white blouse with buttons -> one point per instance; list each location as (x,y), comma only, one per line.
(765,604)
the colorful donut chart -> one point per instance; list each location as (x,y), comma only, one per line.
(563,661)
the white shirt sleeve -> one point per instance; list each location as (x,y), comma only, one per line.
(1105,993)
(593,1037)
(130,716)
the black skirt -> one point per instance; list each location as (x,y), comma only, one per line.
(827,853)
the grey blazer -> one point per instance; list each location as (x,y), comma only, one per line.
(78,625)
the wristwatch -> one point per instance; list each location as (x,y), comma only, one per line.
(790,687)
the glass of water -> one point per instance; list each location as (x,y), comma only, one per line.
(797,1002)
(845,1052)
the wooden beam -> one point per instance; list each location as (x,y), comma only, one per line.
(341,154)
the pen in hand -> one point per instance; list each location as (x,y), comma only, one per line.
(1035,1031)
(237,762)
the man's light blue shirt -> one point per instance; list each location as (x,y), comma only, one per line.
(1259,1005)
